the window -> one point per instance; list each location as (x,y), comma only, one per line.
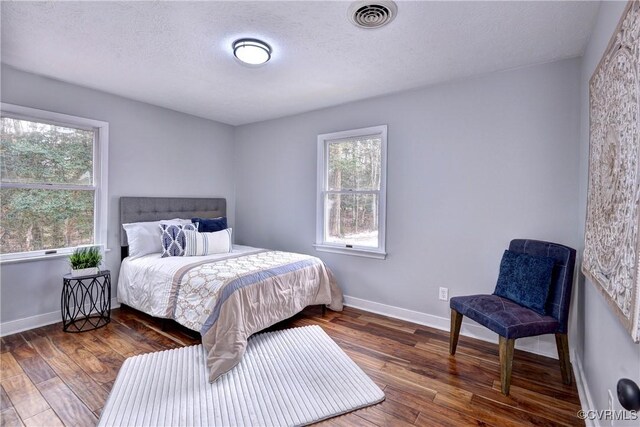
(53,189)
(351,192)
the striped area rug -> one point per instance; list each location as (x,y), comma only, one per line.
(291,377)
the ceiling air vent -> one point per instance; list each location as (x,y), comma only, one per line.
(367,14)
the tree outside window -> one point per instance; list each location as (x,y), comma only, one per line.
(49,186)
(351,190)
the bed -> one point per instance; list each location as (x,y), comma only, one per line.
(226,297)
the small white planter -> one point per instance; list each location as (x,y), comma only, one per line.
(84,272)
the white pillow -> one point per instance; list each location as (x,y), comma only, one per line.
(197,244)
(145,237)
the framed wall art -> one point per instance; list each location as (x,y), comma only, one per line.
(612,239)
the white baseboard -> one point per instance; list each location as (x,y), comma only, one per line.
(473,330)
(586,400)
(20,325)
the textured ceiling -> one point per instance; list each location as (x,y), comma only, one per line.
(177,54)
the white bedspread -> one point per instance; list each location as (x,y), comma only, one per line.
(227,297)
(145,282)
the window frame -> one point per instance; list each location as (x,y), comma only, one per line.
(322,189)
(100,175)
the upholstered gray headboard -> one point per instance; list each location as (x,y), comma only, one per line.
(138,209)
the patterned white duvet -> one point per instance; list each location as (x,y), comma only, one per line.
(227,297)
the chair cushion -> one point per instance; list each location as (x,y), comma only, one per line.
(525,279)
(504,316)
(562,279)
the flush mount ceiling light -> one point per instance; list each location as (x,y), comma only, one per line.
(252,51)
(372,14)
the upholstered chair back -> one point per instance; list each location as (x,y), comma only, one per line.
(562,279)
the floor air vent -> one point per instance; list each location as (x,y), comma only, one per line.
(365,14)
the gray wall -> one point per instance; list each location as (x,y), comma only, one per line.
(471,165)
(606,350)
(146,144)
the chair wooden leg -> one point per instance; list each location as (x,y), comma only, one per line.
(506,360)
(456,321)
(562,342)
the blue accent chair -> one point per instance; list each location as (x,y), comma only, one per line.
(512,321)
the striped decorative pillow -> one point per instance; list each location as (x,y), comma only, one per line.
(197,244)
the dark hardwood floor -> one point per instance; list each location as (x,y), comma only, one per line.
(50,378)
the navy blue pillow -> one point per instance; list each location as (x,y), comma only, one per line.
(210,225)
(525,279)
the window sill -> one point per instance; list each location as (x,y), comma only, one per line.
(39,257)
(366,253)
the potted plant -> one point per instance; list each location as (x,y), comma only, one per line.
(85,261)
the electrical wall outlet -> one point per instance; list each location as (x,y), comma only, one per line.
(443,294)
